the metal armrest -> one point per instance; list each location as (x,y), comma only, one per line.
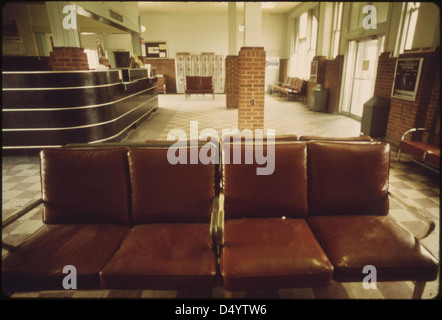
(414,130)
(420,215)
(214,221)
(220,223)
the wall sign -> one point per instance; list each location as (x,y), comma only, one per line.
(116,16)
(272,62)
(406,78)
(314,71)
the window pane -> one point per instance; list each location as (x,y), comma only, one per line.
(336,43)
(303,26)
(314,33)
(411,29)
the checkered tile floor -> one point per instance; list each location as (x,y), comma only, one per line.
(412,184)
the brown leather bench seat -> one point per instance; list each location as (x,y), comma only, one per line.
(322,215)
(170,245)
(265,225)
(127,218)
(292,86)
(349,206)
(425,152)
(199,85)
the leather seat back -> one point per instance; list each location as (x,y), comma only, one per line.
(85,186)
(348,178)
(281,193)
(163,192)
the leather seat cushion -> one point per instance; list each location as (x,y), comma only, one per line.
(352,242)
(418,149)
(272,253)
(163,257)
(38,263)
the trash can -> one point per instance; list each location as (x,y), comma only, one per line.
(318,99)
(375,117)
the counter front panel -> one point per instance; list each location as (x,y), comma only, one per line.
(52,109)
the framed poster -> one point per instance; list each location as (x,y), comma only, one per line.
(406,78)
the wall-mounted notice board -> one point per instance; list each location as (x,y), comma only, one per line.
(156,49)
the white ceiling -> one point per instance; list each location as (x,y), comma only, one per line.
(205,7)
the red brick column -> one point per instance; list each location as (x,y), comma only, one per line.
(232,82)
(251,88)
(68,58)
(332,81)
(165,67)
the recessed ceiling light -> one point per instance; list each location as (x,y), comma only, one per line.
(268,5)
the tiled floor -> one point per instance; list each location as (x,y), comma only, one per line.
(415,186)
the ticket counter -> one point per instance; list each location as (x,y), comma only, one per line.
(46,109)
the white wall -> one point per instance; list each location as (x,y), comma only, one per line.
(196,33)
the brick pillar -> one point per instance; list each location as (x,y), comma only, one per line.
(68,58)
(332,81)
(251,88)
(232,82)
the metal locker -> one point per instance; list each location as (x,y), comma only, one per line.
(182,66)
(196,65)
(219,75)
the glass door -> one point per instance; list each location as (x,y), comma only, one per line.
(360,76)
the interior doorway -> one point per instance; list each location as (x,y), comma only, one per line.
(360,74)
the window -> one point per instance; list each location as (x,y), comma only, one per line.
(336,29)
(305,37)
(410,11)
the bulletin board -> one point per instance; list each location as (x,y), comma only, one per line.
(406,78)
(156,49)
